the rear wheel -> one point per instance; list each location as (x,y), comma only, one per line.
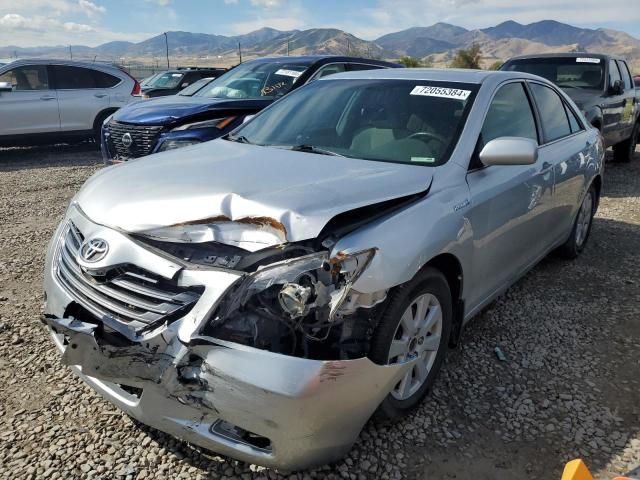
(624,151)
(415,327)
(582,226)
(97,126)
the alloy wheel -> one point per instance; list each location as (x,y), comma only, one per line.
(584,219)
(416,338)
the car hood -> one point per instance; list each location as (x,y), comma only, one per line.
(583,98)
(295,192)
(167,110)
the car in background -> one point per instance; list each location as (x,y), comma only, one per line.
(4,61)
(601,86)
(636,80)
(262,294)
(172,122)
(195,87)
(172,81)
(46,101)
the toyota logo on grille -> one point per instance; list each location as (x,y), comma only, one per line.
(127,140)
(94,250)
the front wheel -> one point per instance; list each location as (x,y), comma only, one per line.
(582,226)
(415,327)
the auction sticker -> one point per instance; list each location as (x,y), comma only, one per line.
(288,73)
(441,92)
(587,60)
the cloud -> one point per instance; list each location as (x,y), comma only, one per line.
(268,3)
(90,8)
(15,22)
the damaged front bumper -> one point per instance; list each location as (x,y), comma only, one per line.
(253,405)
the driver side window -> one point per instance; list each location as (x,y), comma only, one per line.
(509,115)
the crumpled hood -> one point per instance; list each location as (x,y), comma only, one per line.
(166,110)
(299,191)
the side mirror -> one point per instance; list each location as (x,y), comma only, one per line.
(6,87)
(509,151)
(616,88)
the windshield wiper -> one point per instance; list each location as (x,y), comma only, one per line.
(239,139)
(314,149)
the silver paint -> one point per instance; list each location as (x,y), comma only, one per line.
(496,222)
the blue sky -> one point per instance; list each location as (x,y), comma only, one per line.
(91,22)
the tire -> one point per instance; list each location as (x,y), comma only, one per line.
(623,152)
(97,126)
(582,226)
(427,292)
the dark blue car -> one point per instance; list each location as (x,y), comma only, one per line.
(176,121)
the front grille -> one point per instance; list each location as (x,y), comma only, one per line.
(125,293)
(143,139)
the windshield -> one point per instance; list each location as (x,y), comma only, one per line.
(255,80)
(566,72)
(195,86)
(166,80)
(149,79)
(406,121)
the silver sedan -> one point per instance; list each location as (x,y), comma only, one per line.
(262,295)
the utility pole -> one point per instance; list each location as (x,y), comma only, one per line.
(70,53)
(166,44)
(348,46)
(287,47)
(240,51)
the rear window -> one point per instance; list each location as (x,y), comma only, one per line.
(566,72)
(77,78)
(555,123)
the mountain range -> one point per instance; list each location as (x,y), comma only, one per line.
(436,43)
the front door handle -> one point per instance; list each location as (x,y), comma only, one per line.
(100,95)
(546,165)
(47,97)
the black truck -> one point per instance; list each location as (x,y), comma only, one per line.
(600,85)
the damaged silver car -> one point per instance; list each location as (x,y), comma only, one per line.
(262,295)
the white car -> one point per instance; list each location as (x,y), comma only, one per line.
(55,100)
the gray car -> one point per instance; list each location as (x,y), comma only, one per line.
(262,295)
(46,101)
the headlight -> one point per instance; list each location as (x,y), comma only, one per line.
(279,302)
(216,122)
(174,144)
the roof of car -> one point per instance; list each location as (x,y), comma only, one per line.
(567,55)
(310,59)
(431,74)
(75,63)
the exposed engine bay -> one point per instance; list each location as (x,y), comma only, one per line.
(293,299)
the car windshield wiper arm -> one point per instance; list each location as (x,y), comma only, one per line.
(313,149)
(239,139)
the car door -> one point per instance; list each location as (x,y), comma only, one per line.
(629,109)
(614,104)
(80,98)
(32,104)
(566,148)
(509,203)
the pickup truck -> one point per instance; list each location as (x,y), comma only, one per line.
(600,85)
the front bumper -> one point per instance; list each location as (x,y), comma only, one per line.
(253,405)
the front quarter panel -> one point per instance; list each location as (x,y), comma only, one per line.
(409,239)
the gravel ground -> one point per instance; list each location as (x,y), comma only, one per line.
(568,387)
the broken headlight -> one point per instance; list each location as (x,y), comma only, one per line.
(275,306)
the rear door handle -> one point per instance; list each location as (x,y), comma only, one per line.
(47,97)
(100,95)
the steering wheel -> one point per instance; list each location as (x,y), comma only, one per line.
(428,137)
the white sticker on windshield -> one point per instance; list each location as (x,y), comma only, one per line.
(423,159)
(288,73)
(441,92)
(587,60)
(176,74)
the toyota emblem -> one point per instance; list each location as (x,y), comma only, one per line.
(127,140)
(94,250)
